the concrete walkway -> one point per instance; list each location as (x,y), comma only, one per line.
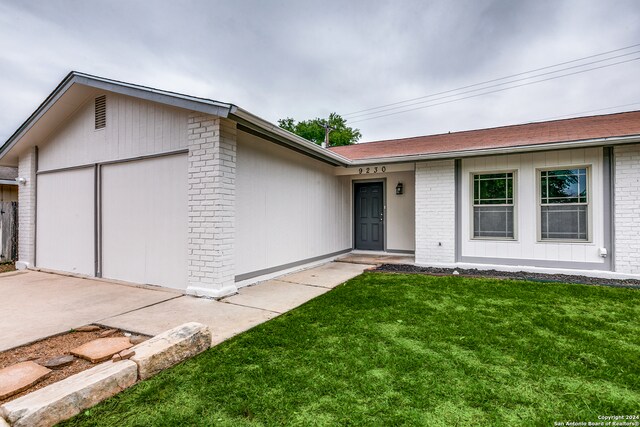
(251,306)
(35,305)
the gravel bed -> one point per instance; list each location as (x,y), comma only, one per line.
(57,345)
(515,275)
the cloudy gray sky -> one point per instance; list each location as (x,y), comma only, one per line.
(305,59)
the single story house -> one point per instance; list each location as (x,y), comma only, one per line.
(147,186)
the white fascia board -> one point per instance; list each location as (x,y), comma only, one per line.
(36,115)
(598,142)
(179,100)
(203,105)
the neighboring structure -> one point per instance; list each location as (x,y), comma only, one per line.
(8,214)
(132,183)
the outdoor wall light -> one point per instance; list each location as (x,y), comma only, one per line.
(20,180)
(399,188)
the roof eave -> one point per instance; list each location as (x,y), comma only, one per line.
(596,142)
(287,138)
(164,97)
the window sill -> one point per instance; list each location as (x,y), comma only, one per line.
(494,239)
(571,241)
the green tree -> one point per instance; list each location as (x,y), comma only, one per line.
(313,130)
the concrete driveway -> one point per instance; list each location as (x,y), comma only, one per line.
(35,305)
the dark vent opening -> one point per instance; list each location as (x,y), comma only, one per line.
(101,112)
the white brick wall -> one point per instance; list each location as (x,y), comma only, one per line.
(627,208)
(26,209)
(435,212)
(212,171)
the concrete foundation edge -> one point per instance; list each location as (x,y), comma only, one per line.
(22,265)
(201,291)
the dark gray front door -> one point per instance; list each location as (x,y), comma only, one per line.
(369,216)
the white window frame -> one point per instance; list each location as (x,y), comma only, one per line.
(589,204)
(472,205)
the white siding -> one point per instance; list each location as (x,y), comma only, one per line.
(134,128)
(627,209)
(526,246)
(288,207)
(144,221)
(65,232)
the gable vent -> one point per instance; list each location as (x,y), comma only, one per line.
(101,112)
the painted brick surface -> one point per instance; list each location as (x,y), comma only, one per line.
(627,208)
(435,212)
(26,209)
(212,171)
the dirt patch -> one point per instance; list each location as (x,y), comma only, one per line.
(49,348)
(7,266)
(514,275)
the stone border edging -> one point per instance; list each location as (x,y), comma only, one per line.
(64,399)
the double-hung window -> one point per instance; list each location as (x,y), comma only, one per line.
(564,204)
(493,205)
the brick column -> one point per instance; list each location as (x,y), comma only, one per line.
(435,212)
(212,173)
(27,210)
(626,178)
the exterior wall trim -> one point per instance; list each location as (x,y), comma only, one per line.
(609,209)
(400,251)
(536,263)
(277,268)
(35,204)
(111,162)
(458,209)
(97,221)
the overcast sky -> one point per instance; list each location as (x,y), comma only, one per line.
(304,59)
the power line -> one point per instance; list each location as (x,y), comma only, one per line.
(492,86)
(493,80)
(494,91)
(585,112)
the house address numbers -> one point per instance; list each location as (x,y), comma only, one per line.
(372,169)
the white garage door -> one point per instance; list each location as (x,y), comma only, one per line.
(65,215)
(144,221)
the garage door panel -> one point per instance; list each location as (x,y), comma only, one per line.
(65,213)
(144,221)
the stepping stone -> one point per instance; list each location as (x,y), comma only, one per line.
(101,349)
(137,339)
(87,328)
(58,362)
(108,332)
(19,377)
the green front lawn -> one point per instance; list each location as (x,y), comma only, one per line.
(388,349)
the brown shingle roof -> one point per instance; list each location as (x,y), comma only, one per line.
(582,128)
